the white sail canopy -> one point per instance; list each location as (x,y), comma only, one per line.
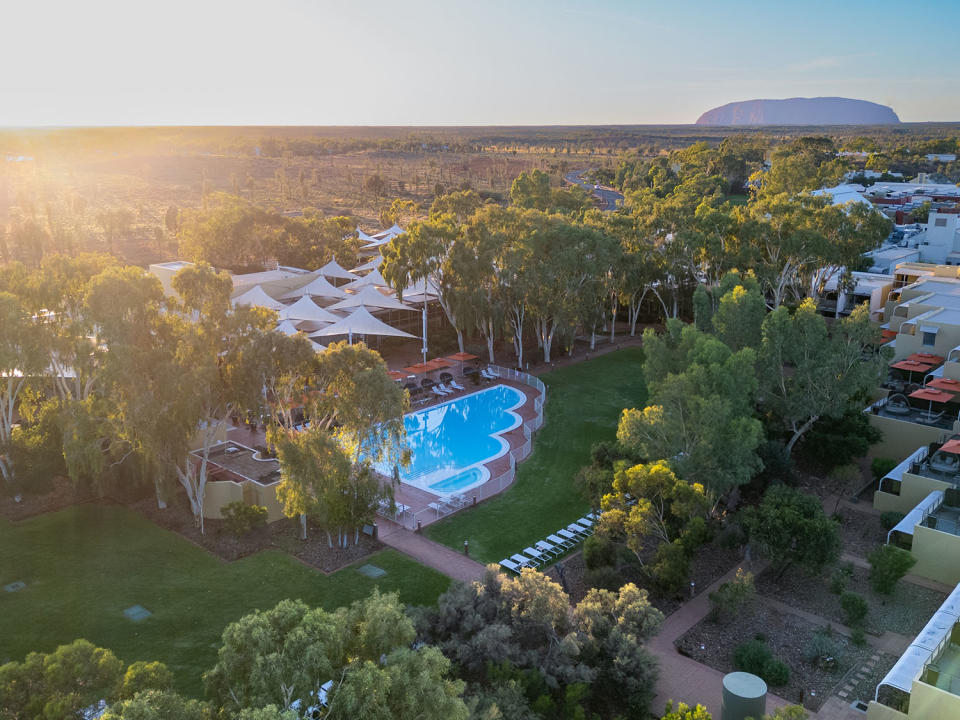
(287,328)
(307,309)
(373,278)
(257,296)
(333,270)
(372,298)
(318,287)
(360,322)
(372,264)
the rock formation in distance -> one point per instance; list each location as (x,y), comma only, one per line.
(800,111)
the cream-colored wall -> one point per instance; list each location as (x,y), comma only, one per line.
(196,442)
(218,494)
(901,438)
(948,338)
(221,492)
(913,489)
(928,702)
(876,711)
(938,556)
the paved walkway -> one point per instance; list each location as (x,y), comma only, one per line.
(439,557)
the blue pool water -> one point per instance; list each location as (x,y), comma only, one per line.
(449,443)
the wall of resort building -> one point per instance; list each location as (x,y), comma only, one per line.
(926,703)
(901,437)
(938,555)
(222,492)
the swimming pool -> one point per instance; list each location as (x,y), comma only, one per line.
(449,443)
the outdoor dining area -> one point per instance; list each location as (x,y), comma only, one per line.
(908,374)
(928,400)
(440,377)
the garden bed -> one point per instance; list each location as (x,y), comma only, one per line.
(711,562)
(63,494)
(861,532)
(906,611)
(787,636)
(281,535)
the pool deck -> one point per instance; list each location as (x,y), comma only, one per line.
(419,501)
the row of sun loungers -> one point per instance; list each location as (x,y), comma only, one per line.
(557,544)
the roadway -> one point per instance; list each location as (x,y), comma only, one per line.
(609,198)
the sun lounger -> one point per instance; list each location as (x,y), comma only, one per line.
(536,555)
(491,372)
(592,515)
(448,390)
(455,385)
(487,376)
(510,565)
(549,549)
(524,561)
(572,537)
(438,392)
(435,506)
(574,528)
(586,522)
(565,543)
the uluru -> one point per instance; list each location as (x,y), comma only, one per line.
(800,111)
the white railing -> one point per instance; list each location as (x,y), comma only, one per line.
(501,482)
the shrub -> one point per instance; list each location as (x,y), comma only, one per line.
(731,597)
(880,466)
(776,673)
(859,637)
(854,608)
(604,577)
(822,648)
(752,656)
(890,518)
(240,518)
(838,581)
(671,566)
(599,551)
(695,535)
(732,537)
(887,565)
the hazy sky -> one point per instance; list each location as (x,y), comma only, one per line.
(453,62)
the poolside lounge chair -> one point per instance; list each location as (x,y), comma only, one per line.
(565,543)
(574,538)
(574,527)
(586,522)
(536,555)
(487,375)
(437,391)
(549,549)
(444,388)
(455,385)
(491,372)
(524,561)
(510,565)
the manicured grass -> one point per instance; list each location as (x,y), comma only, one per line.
(84,565)
(584,402)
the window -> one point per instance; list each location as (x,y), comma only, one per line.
(929,337)
(940,222)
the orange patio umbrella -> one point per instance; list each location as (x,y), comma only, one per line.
(932,395)
(927,358)
(461,358)
(911,366)
(946,384)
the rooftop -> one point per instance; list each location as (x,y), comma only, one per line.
(235,462)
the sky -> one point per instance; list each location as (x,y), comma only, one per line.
(450,62)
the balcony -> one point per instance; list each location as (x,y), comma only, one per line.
(898,407)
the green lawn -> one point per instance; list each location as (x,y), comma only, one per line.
(583,406)
(84,565)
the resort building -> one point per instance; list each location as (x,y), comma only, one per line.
(924,684)
(237,473)
(925,487)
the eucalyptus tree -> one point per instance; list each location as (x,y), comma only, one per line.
(421,254)
(809,371)
(22,356)
(212,357)
(356,419)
